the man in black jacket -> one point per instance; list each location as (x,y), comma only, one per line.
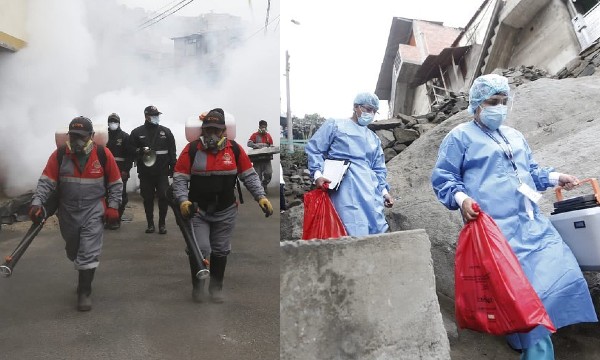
(155,158)
(118,144)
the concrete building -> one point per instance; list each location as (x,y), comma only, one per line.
(410,44)
(13,35)
(205,47)
(501,34)
(13,32)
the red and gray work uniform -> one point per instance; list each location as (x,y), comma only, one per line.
(82,201)
(262,162)
(211,180)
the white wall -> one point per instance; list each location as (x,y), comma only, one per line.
(420,101)
(12,18)
(592,20)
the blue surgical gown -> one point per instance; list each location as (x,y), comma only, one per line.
(471,162)
(359,199)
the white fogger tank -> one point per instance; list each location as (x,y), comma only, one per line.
(193,127)
(578,222)
(61,136)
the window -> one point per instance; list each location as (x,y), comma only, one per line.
(583,6)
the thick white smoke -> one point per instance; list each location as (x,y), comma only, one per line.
(90,58)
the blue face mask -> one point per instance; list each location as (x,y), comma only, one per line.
(365,119)
(493,116)
(155,119)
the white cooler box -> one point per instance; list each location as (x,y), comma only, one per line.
(578,222)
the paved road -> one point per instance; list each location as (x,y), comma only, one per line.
(142,296)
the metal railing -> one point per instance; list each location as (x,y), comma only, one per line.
(296,143)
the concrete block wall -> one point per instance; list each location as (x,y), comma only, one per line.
(360,298)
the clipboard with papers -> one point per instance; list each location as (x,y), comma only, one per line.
(335,170)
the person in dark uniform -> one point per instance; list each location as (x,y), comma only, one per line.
(156,155)
(118,144)
(209,167)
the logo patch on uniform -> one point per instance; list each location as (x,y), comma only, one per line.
(227,159)
(162,133)
(96,167)
(119,141)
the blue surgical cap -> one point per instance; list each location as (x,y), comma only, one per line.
(367,99)
(485,87)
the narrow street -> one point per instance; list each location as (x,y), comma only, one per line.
(142,306)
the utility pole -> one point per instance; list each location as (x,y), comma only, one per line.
(290,130)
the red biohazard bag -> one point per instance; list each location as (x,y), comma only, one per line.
(321,221)
(493,295)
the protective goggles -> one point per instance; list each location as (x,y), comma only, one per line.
(367,109)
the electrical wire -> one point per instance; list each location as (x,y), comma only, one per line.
(165,15)
(159,10)
(162,13)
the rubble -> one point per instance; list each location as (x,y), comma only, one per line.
(583,65)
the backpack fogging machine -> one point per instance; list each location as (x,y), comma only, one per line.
(187,230)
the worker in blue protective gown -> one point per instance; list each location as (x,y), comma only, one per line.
(491,164)
(363,192)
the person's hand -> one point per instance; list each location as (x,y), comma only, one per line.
(567,182)
(124,175)
(321,181)
(388,200)
(36,213)
(186,209)
(111,216)
(467,210)
(262,145)
(266,206)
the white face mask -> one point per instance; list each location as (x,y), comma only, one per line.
(113,126)
(365,119)
(155,119)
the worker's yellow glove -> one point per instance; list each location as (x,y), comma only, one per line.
(266,206)
(186,209)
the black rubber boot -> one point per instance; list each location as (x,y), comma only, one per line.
(198,294)
(217,273)
(84,290)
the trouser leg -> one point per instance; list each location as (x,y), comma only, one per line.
(161,192)
(258,167)
(267,174)
(147,190)
(220,241)
(124,199)
(282,197)
(542,350)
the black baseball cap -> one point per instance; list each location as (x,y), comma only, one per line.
(114,118)
(215,118)
(151,111)
(81,125)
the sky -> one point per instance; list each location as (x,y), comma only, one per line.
(91,58)
(337,49)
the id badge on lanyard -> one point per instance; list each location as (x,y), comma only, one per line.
(530,194)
